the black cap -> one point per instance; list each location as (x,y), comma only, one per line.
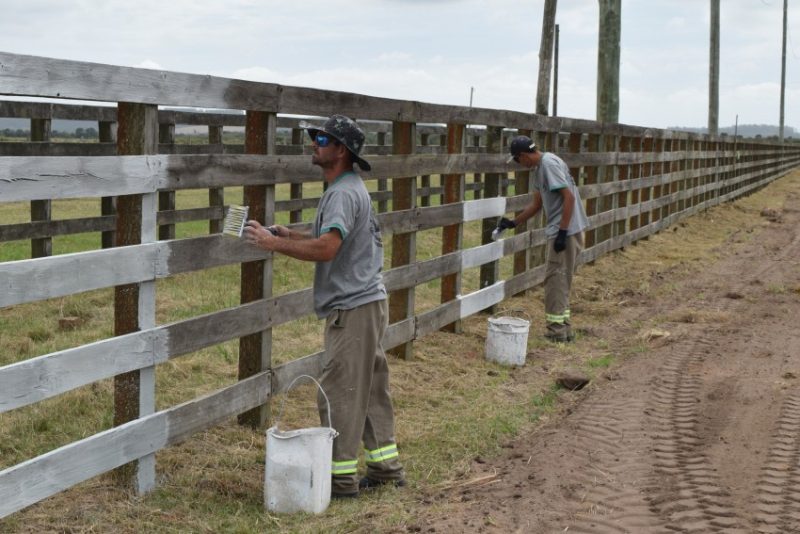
(520,144)
(346,131)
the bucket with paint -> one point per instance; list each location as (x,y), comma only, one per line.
(298,465)
(507,340)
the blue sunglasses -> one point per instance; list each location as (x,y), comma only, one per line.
(323,140)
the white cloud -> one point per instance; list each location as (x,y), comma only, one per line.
(149,64)
(434,51)
(394,56)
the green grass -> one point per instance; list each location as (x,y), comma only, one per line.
(451,405)
(601,362)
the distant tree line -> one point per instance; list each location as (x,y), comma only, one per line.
(756,131)
(79,133)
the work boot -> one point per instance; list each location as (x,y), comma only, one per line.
(343,496)
(367,483)
(560,338)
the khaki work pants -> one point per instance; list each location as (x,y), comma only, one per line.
(557,286)
(356,379)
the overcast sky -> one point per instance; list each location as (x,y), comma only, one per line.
(435,50)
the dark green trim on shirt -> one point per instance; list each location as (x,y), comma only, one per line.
(331,227)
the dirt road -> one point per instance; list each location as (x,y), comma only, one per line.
(699,434)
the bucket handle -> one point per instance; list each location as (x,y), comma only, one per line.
(517,311)
(288,389)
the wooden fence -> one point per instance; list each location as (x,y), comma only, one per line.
(635,181)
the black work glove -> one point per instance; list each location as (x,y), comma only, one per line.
(505,224)
(561,241)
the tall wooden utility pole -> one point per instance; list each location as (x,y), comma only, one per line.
(783,68)
(546,57)
(608,60)
(555,77)
(713,71)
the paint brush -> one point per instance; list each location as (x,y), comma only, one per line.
(235,219)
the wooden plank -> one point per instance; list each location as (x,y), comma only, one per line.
(13,232)
(67,274)
(399,333)
(36,479)
(24,179)
(24,75)
(40,378)
(284,374)
(193,214)
(52,149)
(483,299)
(422,271)
(485,208)
(33,76)
(439,318)
(36,379)
(194,334)
(45,110)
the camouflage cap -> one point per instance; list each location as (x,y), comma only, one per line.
(346,131)
(520,144)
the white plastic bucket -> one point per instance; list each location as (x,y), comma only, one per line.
(298,466)
(507,340)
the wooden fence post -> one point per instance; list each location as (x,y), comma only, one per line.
(255,350)
(216,195)
(603,174)
(477,178)
(425,180)
(134,304)
(404,246)
(575,146)
(623,175)
(635,174)
(611,174)
(453,190)
(166,199)
(523,184)
(593,145)
(383,204)
(490,272)
(41,210)
(108,205)
(443,142)
(655,214)
(296,190)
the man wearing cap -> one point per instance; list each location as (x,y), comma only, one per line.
(555,190)
(345,242)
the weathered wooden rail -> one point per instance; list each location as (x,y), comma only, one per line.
(292,142)
(635,181)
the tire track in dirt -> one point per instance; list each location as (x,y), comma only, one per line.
(778,505)
(700,435)
(609,440)
(686,491)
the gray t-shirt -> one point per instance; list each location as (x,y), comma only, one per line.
(353,276)
(551,176)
